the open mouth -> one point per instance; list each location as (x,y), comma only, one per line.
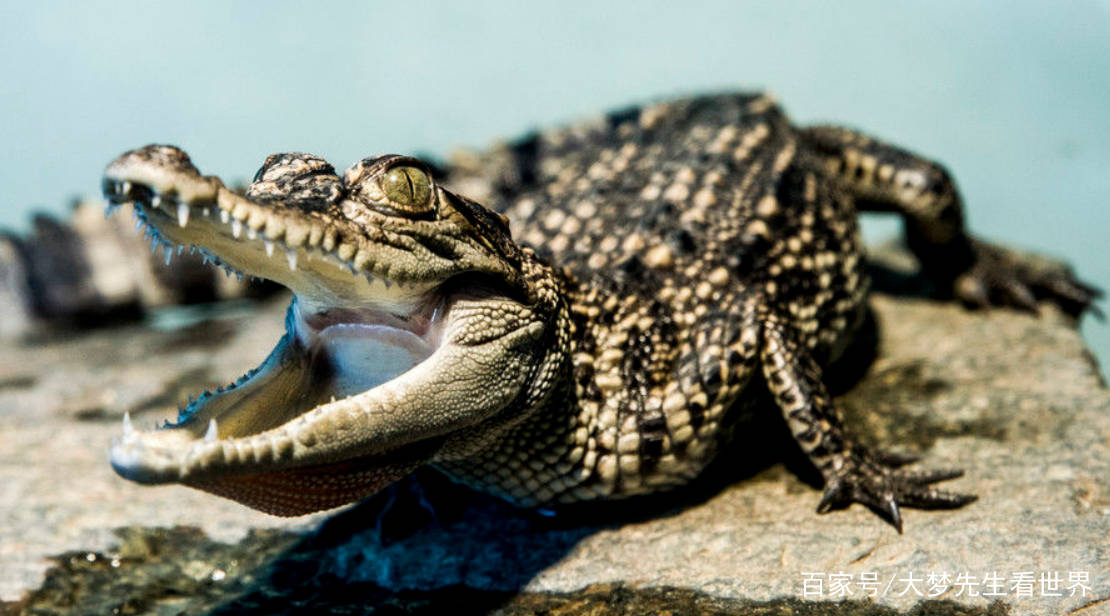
(290,436)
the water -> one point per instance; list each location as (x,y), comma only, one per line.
(1012,97)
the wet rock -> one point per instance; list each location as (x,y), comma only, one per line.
(1017,401)
(153,571)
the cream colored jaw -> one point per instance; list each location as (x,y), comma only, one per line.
(427,401)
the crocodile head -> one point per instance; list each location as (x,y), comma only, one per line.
(418,330)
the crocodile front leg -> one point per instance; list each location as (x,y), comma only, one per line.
(852,473)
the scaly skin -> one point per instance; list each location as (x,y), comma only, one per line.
(669,261)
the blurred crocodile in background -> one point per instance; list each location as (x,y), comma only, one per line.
(91,270)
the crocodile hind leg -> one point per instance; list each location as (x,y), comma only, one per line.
(882,177)
(852,472)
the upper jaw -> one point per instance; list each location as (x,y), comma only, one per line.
(309,257)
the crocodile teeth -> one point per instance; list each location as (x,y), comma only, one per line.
(236,228)
(156,200)
(291,257)
(128,427)
(225,216)
(112,207)
(182,214)
(252,233)
(168,253)
(269,247)
(124,188)
(211,434)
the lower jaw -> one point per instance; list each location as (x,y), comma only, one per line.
(308,489)
(309,367)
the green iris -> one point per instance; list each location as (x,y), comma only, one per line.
(408,188)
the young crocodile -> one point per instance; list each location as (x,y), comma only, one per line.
(674,259)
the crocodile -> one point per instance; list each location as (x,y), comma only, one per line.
(641,287)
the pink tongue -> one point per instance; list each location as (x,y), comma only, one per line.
(364,356)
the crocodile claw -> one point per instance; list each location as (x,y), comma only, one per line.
(894,460)
(1000,277)
(884,487)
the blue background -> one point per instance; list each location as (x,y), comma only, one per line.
(1013,96)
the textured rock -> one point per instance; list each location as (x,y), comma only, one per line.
(1015,400)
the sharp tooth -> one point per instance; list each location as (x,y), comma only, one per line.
(156,200)
(125,188)
(207,212)
(111,209)
(138,224)
(128,427)
(182,214)
(236,228)
(291,257)
(211,434)
(168,250)
(269,247)
(252,233)
(225,216)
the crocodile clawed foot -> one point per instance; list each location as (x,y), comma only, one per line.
(1000,277)
(883,487)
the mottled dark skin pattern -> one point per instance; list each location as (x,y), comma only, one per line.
(707,244)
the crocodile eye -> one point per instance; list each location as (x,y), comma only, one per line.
(408,189)
(393,185)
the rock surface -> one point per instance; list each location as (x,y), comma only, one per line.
(1015,400)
